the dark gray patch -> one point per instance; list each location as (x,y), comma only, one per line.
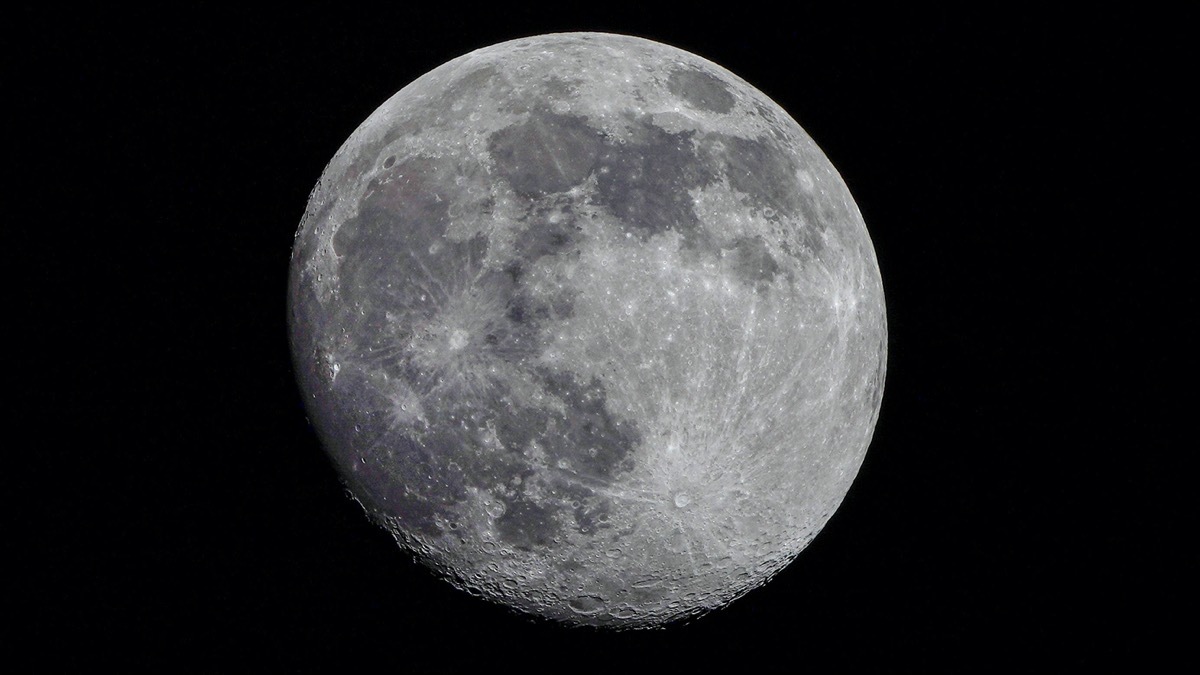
(763,171)
(701,90)
(591,512)
(521,310)
(401,216)
(473,85)
(404,203)
(752,262)
(396,475)
(396,259)
(585,441)
(473,81)
(466,92)
(543,236)
(518,427)
(423,480)
(510,340)
(526,525)
(545,154)
(413,511)
(525,311)
(592,441)
(546,235)
(557,88)
(766,174)
(514,270)
(645,181)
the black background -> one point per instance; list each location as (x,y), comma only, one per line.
(1022,177)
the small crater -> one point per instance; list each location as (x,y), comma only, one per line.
(495,509)
(625,612)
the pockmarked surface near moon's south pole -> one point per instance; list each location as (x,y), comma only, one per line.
(592,326)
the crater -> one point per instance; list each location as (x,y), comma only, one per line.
(586,604)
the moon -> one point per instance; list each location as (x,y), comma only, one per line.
(591,326)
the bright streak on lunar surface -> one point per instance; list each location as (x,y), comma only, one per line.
(591,326)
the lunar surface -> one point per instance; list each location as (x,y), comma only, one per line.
(591,326)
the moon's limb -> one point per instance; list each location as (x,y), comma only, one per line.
(592,326)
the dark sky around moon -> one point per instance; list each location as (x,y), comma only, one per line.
(1018,178)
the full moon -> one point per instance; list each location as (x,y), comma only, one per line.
(591,326)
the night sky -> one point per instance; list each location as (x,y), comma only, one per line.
(1022,177)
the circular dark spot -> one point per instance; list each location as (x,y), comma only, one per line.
(387,163)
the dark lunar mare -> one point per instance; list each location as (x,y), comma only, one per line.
(701,90)
(646,179)
(419,473)
(545,154)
